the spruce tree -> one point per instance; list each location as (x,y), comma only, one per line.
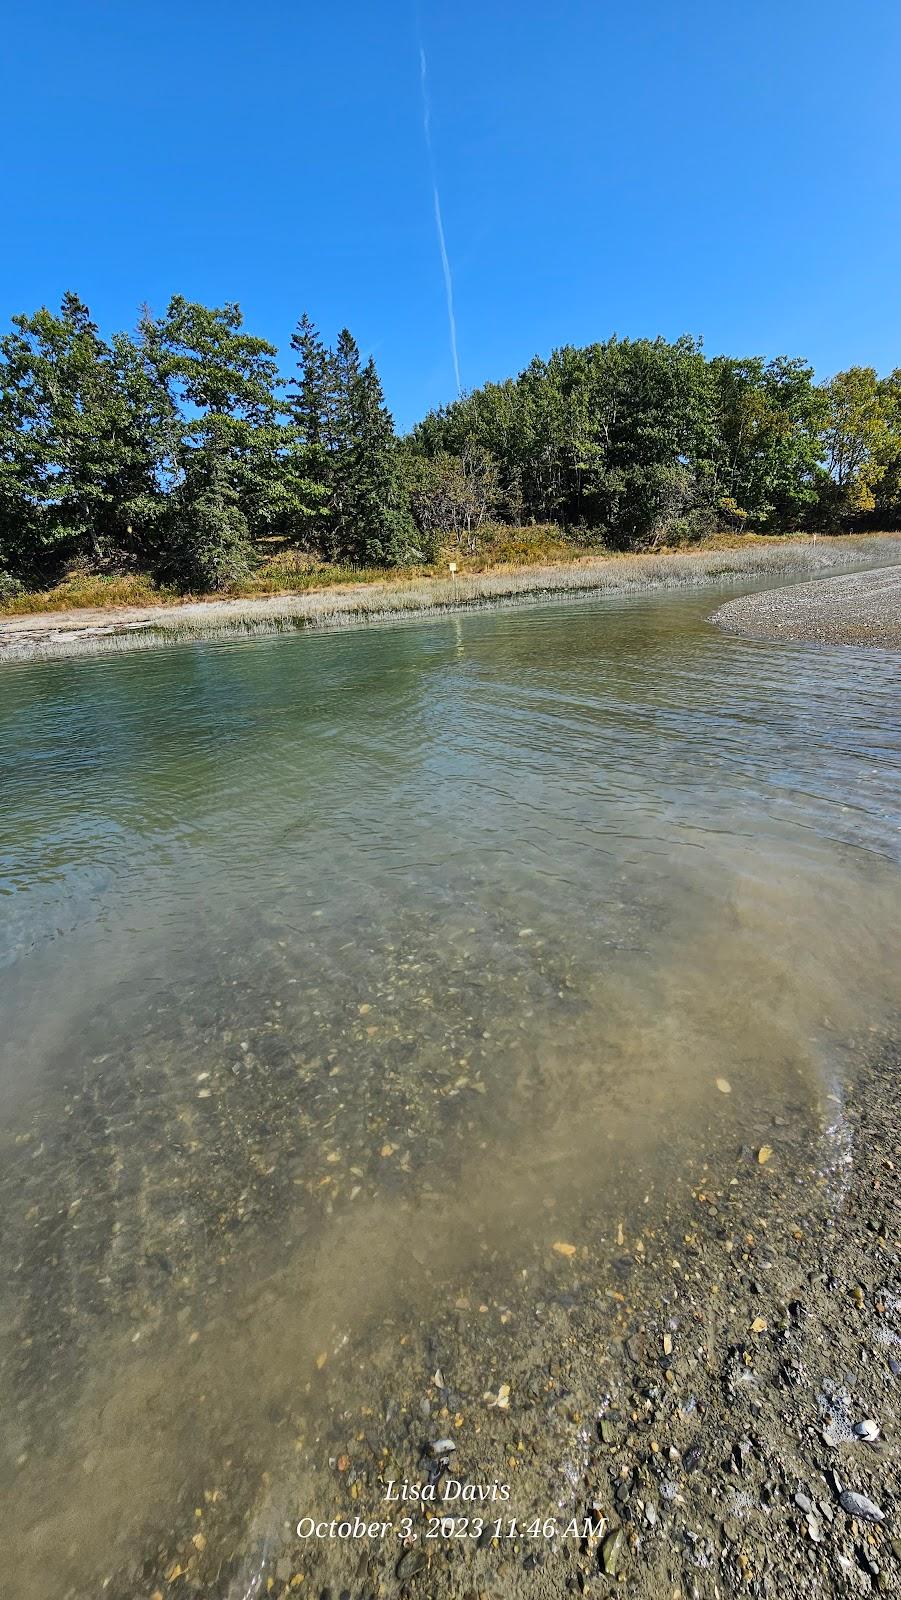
(211,532)
(373,525)
(309,455)
(308,399)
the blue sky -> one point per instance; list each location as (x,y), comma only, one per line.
(718,168)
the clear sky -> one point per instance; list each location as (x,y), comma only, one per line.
(722,167)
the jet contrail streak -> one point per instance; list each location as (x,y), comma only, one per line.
(439,225)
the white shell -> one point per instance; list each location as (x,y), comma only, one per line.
(868,1430)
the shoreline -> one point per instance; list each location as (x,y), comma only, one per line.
(862,608)
(52,635)
(691,1398)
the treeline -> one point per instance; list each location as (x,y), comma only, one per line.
(650,442)
(182,451)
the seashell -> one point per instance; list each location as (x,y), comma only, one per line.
(868,1430)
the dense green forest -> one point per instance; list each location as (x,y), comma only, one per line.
(182,451)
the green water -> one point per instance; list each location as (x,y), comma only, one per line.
(314,947)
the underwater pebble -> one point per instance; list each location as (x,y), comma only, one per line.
(860,1506)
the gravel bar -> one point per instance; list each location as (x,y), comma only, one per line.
(860,608)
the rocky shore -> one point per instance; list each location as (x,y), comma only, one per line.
(860,608)
(710,1408)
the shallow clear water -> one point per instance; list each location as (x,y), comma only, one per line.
(316,948)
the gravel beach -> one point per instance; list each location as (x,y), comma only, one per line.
(859,608)
(713,1410)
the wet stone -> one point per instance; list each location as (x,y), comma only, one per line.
(860,1506)
(612,1552)
(411,1562)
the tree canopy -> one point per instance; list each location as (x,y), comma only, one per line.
(181,449)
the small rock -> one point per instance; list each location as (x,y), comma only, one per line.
(860,1506)
(868,1430)
(501,1400)
(442,1447)
(611,1552)
(410,1563)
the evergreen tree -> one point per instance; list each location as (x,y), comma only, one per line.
(311,412)
(372,521)
(309,403)
(213,536)
(82,427)
(230,438)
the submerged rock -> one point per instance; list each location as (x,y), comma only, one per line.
(612,1552)
(860,1506)
(410,1563)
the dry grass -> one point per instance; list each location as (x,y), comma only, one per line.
(292,572)
(82,591)
(377,600)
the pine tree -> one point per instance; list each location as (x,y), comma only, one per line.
(309,455)
(372,521)
(82,429)
(226,457)
(212,532)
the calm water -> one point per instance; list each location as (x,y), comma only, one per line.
(314,947)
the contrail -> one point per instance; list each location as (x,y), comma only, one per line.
(445,262)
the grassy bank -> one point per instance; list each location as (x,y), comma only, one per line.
(335,597)
(294,572)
